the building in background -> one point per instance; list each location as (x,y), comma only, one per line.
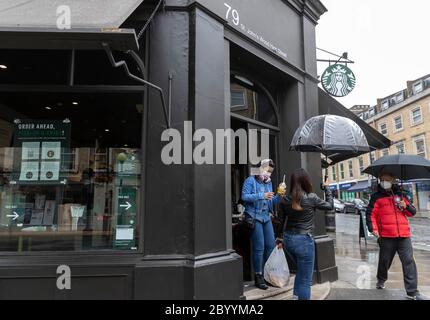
(402,117)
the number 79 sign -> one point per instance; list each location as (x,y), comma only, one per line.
(232,14)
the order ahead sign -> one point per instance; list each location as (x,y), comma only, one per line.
(270,23)
(39,151)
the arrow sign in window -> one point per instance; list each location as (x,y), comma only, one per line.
(14,216)
(127,205)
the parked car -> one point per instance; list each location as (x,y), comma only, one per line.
(339,206)
(354,206)
(349,207)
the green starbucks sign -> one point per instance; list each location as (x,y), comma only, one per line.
(338,80)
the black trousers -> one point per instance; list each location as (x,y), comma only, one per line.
(388,249)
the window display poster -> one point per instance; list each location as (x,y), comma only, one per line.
(126,218)
(36,217)
(50,171)
(30,151)
(127,162)
(45,142)
(51,150)
(48,216)
(29,171)
(124,233)
(124,237)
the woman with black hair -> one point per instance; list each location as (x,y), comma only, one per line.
(259,199)
(297,212)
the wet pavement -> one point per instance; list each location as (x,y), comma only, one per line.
(357,263)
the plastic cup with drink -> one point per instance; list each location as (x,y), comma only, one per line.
(282,188)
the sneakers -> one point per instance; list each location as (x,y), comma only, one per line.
(380,285)
(260,283)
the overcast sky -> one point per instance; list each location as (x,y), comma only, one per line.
(388,40)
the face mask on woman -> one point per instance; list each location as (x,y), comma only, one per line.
(387,185)
(265,176)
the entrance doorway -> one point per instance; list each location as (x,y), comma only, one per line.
(252,108)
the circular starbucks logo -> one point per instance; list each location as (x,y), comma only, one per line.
(49,175)
(338,80)
(29,175)
(50,153)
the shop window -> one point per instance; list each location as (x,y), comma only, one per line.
(93,68)
(252,101)
(70,171)
(52,67)
(34,66)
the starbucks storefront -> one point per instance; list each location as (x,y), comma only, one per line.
(83,188)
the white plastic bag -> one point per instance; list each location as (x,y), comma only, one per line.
(276,270)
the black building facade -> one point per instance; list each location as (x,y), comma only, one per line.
(82,181)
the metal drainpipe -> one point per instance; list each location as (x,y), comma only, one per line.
(135,56)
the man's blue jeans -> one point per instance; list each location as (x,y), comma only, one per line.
(263,243)
(302,249)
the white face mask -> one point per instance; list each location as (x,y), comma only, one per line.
(387,185)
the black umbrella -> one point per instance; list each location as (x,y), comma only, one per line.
(330,135)
(403,166)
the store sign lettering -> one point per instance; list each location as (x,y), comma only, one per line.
(31,126)
(233,17)
(250,18)
(232,14)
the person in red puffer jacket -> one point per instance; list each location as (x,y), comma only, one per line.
(387,219)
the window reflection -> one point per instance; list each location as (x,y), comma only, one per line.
(251,101)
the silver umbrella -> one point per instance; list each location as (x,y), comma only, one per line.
(330,135)
(333,136)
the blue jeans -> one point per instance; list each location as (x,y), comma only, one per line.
(263,243)
(302,249)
